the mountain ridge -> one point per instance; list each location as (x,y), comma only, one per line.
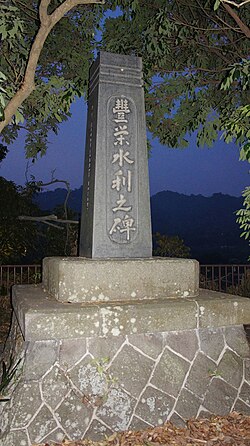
(206,224)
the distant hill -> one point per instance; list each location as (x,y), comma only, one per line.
(206,224)
(47,201)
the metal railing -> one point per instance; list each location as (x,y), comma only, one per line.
(18,274)
(226,278)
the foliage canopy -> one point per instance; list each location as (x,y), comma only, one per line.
(170,246)
(17,240)
(191,52)
(46,48)
(26,242)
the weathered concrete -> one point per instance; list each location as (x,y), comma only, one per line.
(104,369)
(94,280)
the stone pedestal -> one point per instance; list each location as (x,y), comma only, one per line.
(91,367)
(94,280)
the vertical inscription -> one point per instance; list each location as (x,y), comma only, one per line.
(122,170)
(89,161)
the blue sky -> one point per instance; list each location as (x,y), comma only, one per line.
(189,171)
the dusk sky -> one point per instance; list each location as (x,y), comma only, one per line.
(188,171)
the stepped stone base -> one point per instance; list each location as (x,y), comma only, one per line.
(89,369)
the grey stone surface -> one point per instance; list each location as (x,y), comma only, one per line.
(87,377)
(55,387)
(247,370)
(236,340)
(230,368)
(220,397)
(147,318)
(132,370)
(154,406)
(75,279)
(212,342)
(116,212)
(245,393)
(137,424)
(200,374)
(42,317)
(19,438)
(6,416)
(177,420)
(74,415)
(97,430)
(221,310)
(102,348)
(40,357)
(204,413)
(41,425)
(57,436)
(149,343)
(26,401)
(117,409)
(241,407)
(183,342)
(130,367)
(170,372)
(71,351)
(187,405)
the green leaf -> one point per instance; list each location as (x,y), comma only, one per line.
(216,5)
(19,117)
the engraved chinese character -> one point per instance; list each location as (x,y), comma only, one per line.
(121,105)
(127,226)
(120,133)
(121,157)
(127,223)
(121,202)
(115,226)
(121,181)
(121,109)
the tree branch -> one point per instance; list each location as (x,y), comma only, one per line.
(54,181)
(238,5)
(46,219)
(47,22)
(244,28)
(182,22)
(27,10)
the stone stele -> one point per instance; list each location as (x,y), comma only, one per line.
(116,209)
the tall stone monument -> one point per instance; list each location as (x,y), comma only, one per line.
(116,212)
(115,239)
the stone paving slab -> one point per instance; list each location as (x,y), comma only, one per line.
(42,317)
(94,280)
(91,390)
